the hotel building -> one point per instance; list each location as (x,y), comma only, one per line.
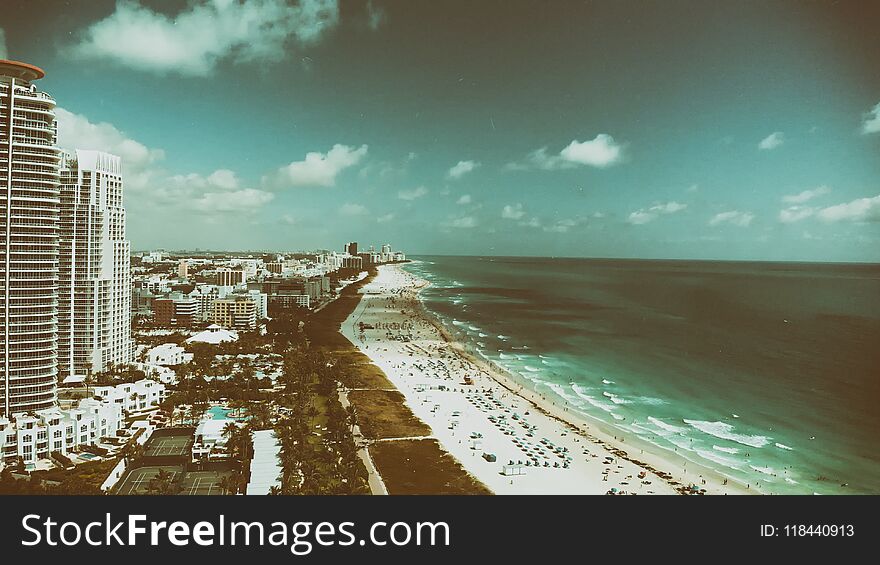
(29,175)
(94,282)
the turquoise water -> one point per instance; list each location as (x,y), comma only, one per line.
(220,413)
(765,372)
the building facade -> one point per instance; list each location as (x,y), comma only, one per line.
(229,277)
(239,312)
(94,278)
(29,175)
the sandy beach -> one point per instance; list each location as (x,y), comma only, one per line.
(474,409)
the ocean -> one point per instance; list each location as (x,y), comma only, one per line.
(768,373)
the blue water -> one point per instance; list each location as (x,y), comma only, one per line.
(220,413)
(765,372)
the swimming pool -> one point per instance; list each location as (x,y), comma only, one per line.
(221,413)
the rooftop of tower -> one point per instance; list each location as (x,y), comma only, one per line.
(21,70)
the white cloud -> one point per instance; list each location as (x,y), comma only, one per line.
(384,219)
(244,200)
(193,41)
(4,53)
(318,169)
(600,152)
(859,210)
(645,215)
(462,168)
(561,226)
(217,193)
(733,217)
(795,214)
(75,131)
(772,141)
(465,222)
(514,212)
(349,209)
(221,178)
(464,199)
(871,120)
(806,195)
(413,194)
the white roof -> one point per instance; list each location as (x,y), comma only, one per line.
(265,466)
(169,347)
(212,429)
(214,334)
(72,379)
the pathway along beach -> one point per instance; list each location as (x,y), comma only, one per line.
(474,409)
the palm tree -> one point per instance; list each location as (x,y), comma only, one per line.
(230,432)
(227,485)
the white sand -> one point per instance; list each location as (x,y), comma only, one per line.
(418,357)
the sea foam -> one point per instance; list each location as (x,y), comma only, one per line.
(723,430)
(666,427)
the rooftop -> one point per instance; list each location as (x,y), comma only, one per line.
(20,70)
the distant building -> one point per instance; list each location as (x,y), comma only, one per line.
(239,312)
(186,311)
(132,397)
(352,262)
(168,354)
(351,248)
(163,311)
(214,335)
(229,277)
(183,269)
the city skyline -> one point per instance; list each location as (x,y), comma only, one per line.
(456,129)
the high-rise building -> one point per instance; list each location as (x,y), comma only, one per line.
(183,270)
(94,281)
(351,248)
(29,169)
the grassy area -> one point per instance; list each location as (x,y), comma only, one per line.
(322,331)
(406,466)
(382,414)
(422,467)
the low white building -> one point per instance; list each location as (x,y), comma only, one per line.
(34,435)
(168,354)
(210,443)
(160,373)
(265,466)
(133,397)
(214,334)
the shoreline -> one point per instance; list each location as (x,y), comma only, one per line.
(592,454)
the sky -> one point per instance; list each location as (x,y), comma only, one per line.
(686,130)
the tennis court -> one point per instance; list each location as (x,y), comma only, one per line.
(202,482)
(168,445)
(138,481)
